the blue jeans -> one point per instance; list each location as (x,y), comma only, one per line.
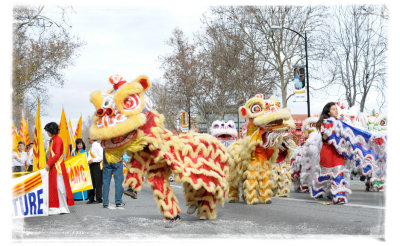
(108,170)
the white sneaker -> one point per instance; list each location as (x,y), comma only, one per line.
(203,217)
(191,209)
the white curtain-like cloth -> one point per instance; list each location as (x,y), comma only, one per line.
(62,198)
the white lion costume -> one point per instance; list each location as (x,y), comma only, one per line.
(301,168)
(225,132)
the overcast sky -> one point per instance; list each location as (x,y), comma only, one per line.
(127,40)
(119,40)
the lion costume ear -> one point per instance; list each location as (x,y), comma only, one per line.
(242,111)
(97,99)
(144,81)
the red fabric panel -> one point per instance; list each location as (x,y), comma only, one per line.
(53,192)
(330,157)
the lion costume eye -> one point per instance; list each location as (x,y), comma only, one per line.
(131,102)
(255,108)
(383,123)
(100,112)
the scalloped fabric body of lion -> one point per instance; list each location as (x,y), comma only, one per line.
(198,161)
(260,159)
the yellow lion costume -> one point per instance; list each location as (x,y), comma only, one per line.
(260,159)
(124,122)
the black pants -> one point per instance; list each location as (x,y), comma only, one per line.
(97,182)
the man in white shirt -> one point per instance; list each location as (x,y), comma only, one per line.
(95,157)
(19,158)
(30,157)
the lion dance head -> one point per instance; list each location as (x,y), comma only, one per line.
(120,111)
(267,115)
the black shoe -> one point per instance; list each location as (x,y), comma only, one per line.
(96,202)
(90,202)
(131,193)
(105,206)
(319,197)
(99,201)
(118,205)
(172,222)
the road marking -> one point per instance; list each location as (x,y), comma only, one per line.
(364,206)
(347,204)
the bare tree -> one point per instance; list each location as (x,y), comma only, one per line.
(182,70)
(166,102)
(357,51)
(238,56)
(42,49)
(231,72)
(277,52)
(86,123)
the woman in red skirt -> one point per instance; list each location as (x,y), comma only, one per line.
(330,180)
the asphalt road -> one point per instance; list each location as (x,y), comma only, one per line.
(298,216)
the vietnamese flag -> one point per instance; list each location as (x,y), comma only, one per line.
(71,134)
(64,135)
(39,158)
(78,131)
(15,138)
(21,132)
(26,133)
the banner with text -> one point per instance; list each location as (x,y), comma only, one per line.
(30,194)
(78,173)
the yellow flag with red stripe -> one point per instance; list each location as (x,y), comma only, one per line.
(26,133)
(30,196)
(78,131)
(71,134)
(64,134)
(15,137)
(21,132)
(27,185)
(39,158)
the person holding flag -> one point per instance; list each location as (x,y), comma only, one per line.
(80,148)
(29,151)
(60,194)
(19,158)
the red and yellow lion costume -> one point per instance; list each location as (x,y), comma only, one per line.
(124,122)
(260,158)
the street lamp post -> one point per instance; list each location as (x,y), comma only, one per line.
(189,115)
(305,44)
